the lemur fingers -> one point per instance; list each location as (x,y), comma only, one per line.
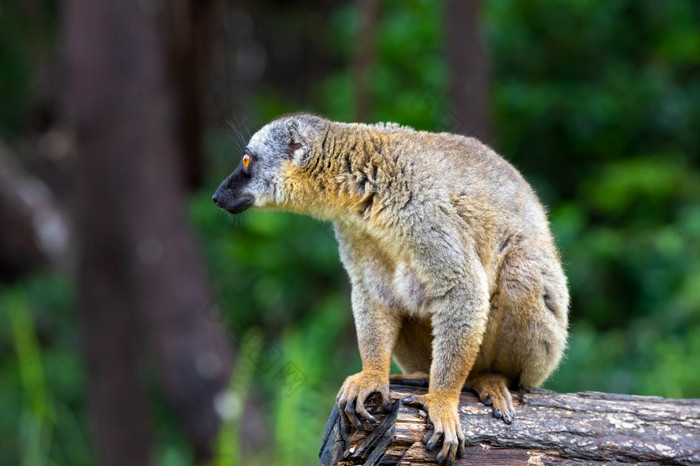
(353,394)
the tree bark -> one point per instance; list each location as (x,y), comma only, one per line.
(469,70)
(549,428)
(141,280)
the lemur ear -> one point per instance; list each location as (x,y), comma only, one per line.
(299,146)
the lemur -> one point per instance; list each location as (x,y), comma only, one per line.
(453,268)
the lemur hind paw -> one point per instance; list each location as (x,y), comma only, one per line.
(493,391)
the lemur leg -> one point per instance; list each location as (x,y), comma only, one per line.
(526,332)
(377,328)
(458,317)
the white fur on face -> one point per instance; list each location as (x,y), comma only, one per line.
(268,148)
(259,137)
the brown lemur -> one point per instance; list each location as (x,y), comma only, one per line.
(453,268)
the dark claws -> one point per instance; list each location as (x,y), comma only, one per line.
(487,401)
(345,423)
(497,413)
(412,401)
(448,460)
(352,417)
(358,423)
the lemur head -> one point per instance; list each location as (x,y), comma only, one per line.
(281,145)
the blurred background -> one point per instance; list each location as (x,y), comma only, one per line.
(135,316)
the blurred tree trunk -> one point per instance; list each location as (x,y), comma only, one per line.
(191,31)
(140,275)
(364,57)
(469,70)
(185,78)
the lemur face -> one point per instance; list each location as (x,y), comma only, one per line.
(256,181)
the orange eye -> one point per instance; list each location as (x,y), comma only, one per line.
(246,160)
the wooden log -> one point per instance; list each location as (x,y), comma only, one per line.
(549,428)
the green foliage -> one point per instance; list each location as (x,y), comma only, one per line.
(409,76)
(14,73)
(42,384)
(228,451)
(631,244)
(26,38)
(35,424)
(586,83)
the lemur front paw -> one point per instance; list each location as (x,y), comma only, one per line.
(444,416)
(353,394)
